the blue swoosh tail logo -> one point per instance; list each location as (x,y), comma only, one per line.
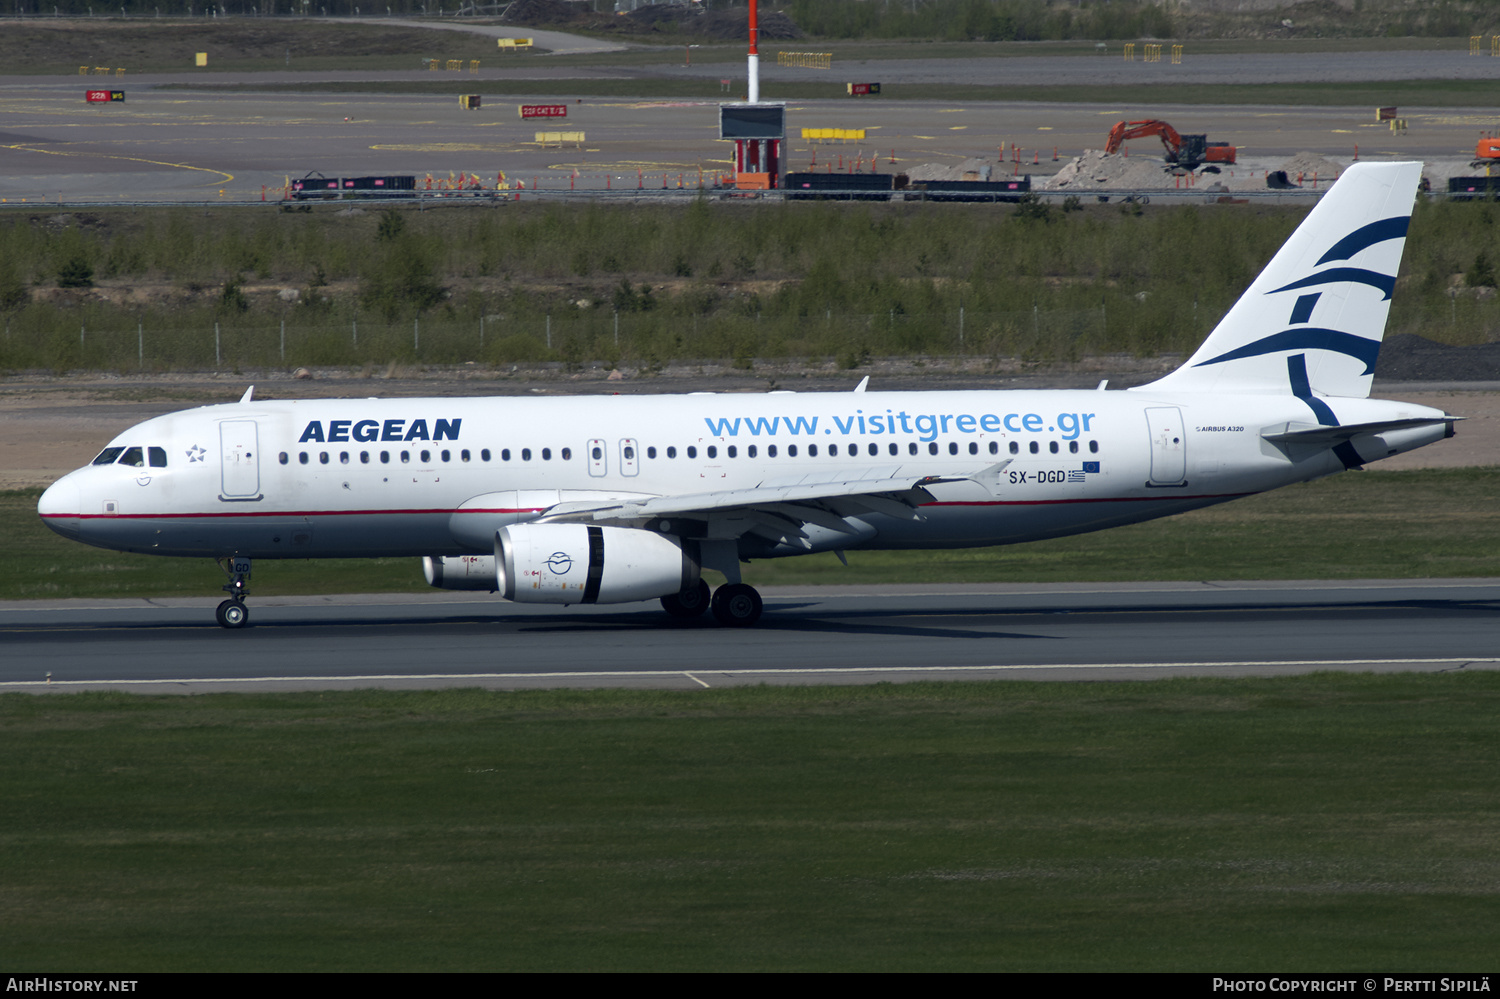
(1334,275)
(1365,237)
(1307,338)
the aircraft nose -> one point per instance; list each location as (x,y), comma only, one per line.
(59,505)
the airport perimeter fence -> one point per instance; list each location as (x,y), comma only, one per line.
(631,338)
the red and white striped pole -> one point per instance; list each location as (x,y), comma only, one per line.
(754,67)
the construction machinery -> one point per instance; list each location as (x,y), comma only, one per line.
(1186,151)
(1486,153)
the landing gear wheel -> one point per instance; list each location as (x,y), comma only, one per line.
(689,603)
(233,614)
(736,605)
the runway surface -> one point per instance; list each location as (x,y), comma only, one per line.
(831,635)
(179,145)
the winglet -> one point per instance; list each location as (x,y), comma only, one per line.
(248,393)
(864,383)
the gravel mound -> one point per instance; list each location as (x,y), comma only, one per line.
(1407,357)
(1097,170)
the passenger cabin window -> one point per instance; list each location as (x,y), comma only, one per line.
(108,456)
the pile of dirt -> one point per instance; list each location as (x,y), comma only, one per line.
(539,12)
(729,25)
(1407,357)
(973,168)
(732,24)
(1097,170)
(1307,164)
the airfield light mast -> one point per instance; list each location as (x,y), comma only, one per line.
(754,67)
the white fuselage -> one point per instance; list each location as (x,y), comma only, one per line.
(439,476)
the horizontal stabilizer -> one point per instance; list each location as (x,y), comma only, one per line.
(1302,433)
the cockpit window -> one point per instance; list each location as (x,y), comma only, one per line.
(158,456)
(133,456)
(108,456)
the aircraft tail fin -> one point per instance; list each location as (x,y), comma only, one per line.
(1312,322)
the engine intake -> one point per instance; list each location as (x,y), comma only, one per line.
(583,564)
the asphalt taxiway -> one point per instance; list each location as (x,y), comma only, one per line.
(813,635)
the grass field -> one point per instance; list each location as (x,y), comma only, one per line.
(1295,824)
(1374,525)
(642,285)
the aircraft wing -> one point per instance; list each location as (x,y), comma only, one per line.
(778,509)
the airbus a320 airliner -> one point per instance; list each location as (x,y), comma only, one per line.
(615,499)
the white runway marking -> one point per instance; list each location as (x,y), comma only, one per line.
(804,672)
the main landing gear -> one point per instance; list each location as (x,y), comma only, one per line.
(735,605)
(233,613)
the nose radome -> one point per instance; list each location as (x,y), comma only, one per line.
(58,507)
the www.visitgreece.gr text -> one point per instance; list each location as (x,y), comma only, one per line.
(925,426)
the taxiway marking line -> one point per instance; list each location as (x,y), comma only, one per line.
(772,671)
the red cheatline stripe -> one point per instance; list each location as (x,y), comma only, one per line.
(1097,499)
(271,513)
(539,509)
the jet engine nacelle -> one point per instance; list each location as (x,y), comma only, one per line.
(461,572)
(583,564)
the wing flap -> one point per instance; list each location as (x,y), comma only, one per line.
(896,491)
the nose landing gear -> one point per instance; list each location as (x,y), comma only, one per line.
(233,613)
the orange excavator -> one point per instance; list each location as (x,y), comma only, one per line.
(1487,153)
(1186,151)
